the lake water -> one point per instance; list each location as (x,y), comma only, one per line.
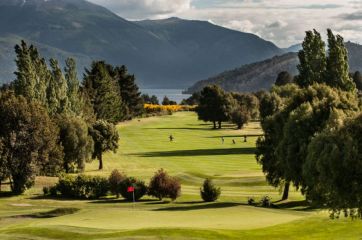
(173,94)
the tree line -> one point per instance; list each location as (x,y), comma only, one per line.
(52,123)
(217,106)
(312,127)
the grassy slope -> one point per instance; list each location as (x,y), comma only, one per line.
(197,153)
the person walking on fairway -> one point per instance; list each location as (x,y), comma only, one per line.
(234,141)
(222,140)
(171,138)
(245,138)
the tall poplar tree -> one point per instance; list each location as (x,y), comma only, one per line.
(337,71)
(32,75)
(73,94)
(57,90)
(312,60)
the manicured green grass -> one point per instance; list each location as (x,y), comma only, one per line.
(197,153)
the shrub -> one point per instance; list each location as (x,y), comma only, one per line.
(251,201)
(98,187)
(53,191)
(164,186)
(65,186)
(81,186)
(114,181)
(46,191)
(139,186)
(209,193)
(265,201)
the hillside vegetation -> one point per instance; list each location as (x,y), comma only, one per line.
(262,75)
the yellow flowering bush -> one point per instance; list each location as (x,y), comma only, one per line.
(151,108)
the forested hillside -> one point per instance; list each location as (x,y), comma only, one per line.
(262,75)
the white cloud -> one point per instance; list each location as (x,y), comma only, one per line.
(140,9)
(281,21)
(241,25)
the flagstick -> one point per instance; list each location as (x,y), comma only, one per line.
(134,201)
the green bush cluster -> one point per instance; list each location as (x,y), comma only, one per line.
(80,187)
(94,187)
(140,188)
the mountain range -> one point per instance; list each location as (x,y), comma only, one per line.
(262,75)
(169,53)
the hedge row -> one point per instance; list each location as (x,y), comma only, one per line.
(94,187)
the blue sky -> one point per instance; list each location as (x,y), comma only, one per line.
(281,21)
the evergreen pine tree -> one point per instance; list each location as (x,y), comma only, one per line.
(129,90)
(103,92)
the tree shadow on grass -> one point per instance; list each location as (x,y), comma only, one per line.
(296,205)
(50,214)
(200,206)
(238,136)
(117,200)
(182,128)
(197,152)
(6,194)
(58,198)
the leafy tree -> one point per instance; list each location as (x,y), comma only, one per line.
(270,103)
(4,171)
(248,102)
(150,100)
(167,101)
(164,186)
(284,78)
(193,100)
(312,60)
(215,105)
(77,144)
(105,138)
(209,193)
(357,78)
(115,179)
(337,71)
(290,124)
(29,140)
(103,93)
(240,116)
(288,132)
(129,90)
(333,169)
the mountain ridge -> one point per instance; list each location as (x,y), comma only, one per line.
(91,32)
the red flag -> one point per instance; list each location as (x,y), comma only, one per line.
(130,189)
